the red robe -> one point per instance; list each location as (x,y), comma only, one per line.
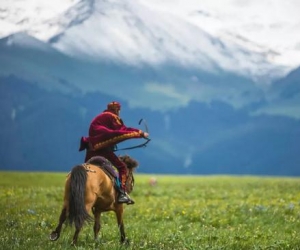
(106,130)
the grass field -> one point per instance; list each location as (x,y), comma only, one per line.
(180,212)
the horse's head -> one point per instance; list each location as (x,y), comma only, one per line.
(131,164)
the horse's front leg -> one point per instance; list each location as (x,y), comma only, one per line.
(97,224)
(56,233)
(119,214)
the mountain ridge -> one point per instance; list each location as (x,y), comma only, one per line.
(197,139)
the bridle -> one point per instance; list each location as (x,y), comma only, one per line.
(131,177)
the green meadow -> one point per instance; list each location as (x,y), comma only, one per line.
(179,212)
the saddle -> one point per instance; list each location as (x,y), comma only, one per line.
(111,171)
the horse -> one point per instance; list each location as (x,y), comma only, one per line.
(88,188)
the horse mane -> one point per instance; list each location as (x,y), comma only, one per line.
(130,162)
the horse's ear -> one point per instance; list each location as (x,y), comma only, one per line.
(130,162)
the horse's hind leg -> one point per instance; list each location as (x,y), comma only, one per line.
(97,224)
(79,224)
(75,237)
(56,233)
(119,214)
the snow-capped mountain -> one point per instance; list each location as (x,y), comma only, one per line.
(189,38)
(203,35)
(270,27)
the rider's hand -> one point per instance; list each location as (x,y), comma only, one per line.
(145,134)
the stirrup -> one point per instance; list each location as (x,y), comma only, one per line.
(123,198)
(130,202)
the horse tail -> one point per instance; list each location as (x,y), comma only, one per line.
(77,210)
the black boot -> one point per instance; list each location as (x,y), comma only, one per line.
(124,198)
(130,202)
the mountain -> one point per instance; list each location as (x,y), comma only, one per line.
(173,85)
(284,96)
(268,27)
(41,131)
(191,37)
(153,24)
(212,105)
(160,39)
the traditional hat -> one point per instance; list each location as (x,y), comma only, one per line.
(114,106)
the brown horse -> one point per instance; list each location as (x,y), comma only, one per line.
(88,188)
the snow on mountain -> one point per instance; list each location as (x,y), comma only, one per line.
(21,39)
(32,16)
(137,35)
(270,26)
(148,32)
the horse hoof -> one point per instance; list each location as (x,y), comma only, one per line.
(126,242)
(73,244)
(54,236)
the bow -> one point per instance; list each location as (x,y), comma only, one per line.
(140,145)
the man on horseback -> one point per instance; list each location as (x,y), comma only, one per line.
(106,130)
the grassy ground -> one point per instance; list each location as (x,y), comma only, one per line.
(180,212)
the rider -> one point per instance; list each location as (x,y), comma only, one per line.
(106,130)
